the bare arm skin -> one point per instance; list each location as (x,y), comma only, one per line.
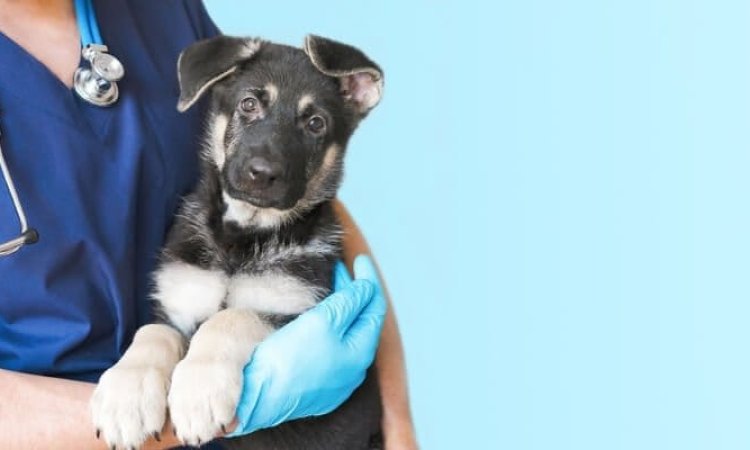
(42,413)
(398,427)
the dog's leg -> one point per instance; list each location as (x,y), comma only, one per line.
(206,385)
(130,402)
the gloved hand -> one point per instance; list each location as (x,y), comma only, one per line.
(313,364)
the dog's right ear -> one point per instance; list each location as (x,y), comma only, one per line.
(206,62)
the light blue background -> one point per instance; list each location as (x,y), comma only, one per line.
(557,193)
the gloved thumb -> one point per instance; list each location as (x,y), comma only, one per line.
(364,269)
(363,334)
(342,308)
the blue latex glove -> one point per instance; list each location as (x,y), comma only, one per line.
(313,364)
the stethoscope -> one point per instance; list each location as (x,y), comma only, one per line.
(96,84)
(27,235)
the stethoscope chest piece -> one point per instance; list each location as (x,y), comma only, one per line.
(98,84)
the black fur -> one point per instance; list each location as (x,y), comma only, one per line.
(291,226)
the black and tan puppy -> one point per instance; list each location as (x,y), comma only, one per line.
(251,248)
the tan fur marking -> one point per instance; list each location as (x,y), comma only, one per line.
(273,93)
(304,101)
(328,160)
(216,132)
(330,157)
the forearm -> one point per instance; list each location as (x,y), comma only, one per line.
(391,369)
(42,412)
(397,422)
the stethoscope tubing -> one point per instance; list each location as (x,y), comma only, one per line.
(28,235)
(88,26)
(12,190)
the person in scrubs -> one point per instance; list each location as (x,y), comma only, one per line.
(101,186)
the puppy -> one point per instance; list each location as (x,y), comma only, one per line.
(253,247)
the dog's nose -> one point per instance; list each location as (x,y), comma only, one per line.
(263,173)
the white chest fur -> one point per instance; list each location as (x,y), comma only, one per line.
(189,295)
(271,292)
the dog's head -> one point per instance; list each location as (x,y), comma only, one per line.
(279,120)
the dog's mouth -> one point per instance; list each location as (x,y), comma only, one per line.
(257,201)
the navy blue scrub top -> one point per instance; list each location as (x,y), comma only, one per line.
(99,184)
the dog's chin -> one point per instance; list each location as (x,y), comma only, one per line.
(261,202)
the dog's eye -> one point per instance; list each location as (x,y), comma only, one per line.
(249,104)
(316,124)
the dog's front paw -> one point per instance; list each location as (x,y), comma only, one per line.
(203,398)
(129,405)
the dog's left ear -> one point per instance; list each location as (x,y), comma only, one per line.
(361,79)
(206,62)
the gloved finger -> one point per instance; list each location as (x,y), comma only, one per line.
(342,308)
(363,335)
(341,277)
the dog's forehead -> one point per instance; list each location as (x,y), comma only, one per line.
(288,73)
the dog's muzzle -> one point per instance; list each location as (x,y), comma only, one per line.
(257,180)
